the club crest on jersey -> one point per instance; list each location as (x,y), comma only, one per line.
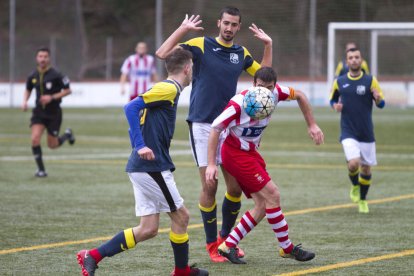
(34,80)
(259,177)
(360,90)
(234,58)
(48,85)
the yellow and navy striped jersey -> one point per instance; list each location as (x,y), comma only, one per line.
(157,124)
(357,99)
(216,70)
(342,68)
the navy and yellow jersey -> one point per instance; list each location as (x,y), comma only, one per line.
(357,98)
(151,119)
(342,68)
(216,70)
(47,82)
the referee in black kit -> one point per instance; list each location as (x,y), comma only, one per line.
(51,86)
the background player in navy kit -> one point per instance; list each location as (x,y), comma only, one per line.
(150,170)
(51,86)
(342,67)
(353,95)
(218,63)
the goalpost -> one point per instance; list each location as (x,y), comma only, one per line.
(376,29)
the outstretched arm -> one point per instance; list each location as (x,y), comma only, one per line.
(313,129)
(189,24)
(268,44)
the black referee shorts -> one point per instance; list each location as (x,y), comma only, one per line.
(51,120)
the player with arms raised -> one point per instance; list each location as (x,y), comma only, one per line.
(242,160)
(218,63)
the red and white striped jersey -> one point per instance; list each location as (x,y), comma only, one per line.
(139,70)
(241,130)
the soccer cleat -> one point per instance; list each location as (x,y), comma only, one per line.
(363,206)
(194,271)
(298,254)
(87,263)
(230,253)
(239,251)
(354,194)
(40,174)
(71,137)
(215,257)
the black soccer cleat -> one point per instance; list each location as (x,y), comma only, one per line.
(298,254)
(71,137)
(195,271)
(230,253)
(40,174)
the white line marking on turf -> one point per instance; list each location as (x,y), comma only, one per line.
(277,153)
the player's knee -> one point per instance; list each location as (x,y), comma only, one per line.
(210,190)
(35,140)
(353,165)
(234,191)
(150,232)
(272,194)
(366,169)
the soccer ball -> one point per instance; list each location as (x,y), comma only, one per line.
(259,102)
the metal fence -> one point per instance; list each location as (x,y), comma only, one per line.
(90,39)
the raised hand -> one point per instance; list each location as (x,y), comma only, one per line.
(260,34)
(192,23)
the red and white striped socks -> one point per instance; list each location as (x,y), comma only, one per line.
(279,225)
(246,224)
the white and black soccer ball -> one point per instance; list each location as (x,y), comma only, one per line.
(259,102)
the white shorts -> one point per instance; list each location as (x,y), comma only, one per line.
(155,193)
(199,133)
(365,151)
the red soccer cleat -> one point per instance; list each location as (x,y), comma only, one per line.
(212,249)
(87,263)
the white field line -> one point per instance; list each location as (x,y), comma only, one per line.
(187,152)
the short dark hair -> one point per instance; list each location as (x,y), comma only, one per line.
(176,60)
(43,49)
(230,10)
(352,50)
(266,74)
